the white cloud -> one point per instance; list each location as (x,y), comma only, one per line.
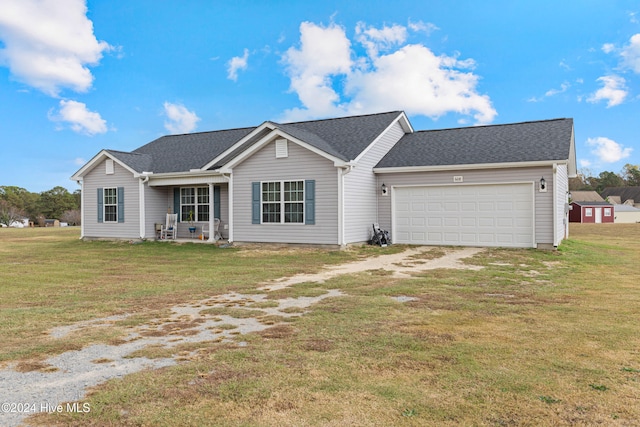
(631,54)
(79,118)
(563,88)
(406,77)
(180,120)
(563,64)
(324,52)
(614,91)
(414,79)
(584,163)
(48,44)
(237,63)
(607,150)
(374,39)
(608,47)
(79,161)
(425,27)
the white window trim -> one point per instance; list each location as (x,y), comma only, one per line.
(588,212)
(195,204)
(105,204)
(607,211)
(283,203)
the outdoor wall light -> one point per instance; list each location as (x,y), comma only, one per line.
(543,185)
(384,189)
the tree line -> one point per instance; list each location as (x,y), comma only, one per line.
(17,203)
(629,176)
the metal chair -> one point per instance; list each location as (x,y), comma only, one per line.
(216,232)
(170,228)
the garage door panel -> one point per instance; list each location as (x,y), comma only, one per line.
(469,222)
(472,215)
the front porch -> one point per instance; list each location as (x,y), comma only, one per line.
(202,208)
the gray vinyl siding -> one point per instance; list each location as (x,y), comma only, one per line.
(301,164)
(361,189)
(561,193)
(155,202)
(97,178)
(543,201)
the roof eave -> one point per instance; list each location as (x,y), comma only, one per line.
(404,123)
(437,168)
(225,153)
(102,155)
(268,138)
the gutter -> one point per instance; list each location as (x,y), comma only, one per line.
(401,169)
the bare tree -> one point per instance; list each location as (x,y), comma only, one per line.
(72,217)
(9,214)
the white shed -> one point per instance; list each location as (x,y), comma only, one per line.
(626,214)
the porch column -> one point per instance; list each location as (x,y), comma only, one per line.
(211,238)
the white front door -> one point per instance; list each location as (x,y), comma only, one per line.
(598,213)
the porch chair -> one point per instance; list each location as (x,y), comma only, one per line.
(216,232)
(170,229)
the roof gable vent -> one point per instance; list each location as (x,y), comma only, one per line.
(109,167)
(281,149)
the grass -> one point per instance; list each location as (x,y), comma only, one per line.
(534,338)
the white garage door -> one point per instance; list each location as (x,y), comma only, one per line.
(464,215)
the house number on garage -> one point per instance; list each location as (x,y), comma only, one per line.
(457,178)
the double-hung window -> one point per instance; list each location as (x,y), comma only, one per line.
(110,205)
(282,202)
(194,204)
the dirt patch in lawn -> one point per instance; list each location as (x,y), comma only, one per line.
(190,327)
(401,265)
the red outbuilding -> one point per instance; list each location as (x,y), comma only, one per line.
(591,212)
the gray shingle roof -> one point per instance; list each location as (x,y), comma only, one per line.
(625,193)
(592,203)
(181,153)
(136,161)
(344,138)
(586,196)
(518,142)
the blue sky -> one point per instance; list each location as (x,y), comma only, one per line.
(78,76)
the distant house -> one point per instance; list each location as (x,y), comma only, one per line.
(591,212)
(24,222)
(327,182)
(622,195)
(586,196)
(51,223)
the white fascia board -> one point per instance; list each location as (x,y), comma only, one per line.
(275,133)
(256,131)
(186,178)
(102,155)
(572,166)
(468,167)
(404,123)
